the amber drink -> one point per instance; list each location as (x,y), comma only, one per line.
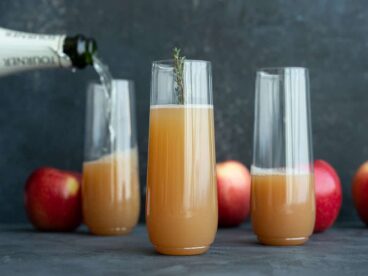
(181,206)
(111,193)
(283,209)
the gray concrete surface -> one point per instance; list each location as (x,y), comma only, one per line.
(23,251)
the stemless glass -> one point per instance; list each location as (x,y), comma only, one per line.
(181,203)
(282,198)
(110,188)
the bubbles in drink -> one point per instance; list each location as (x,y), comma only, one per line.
(296,170)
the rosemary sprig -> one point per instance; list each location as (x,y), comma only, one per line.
(179,74)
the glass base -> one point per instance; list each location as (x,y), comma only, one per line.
(186,251)
(111,231)
(282,241)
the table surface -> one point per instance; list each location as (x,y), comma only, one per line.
(339,251)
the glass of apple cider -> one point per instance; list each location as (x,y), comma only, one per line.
(110,189)
(181,200)
(282,197)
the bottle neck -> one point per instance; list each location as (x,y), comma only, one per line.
(80,50)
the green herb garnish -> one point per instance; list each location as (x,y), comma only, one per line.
(179,74)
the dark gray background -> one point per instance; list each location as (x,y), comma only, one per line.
(42,113)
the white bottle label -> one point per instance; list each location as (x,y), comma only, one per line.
(21,51)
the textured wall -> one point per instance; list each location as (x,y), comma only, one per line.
(42,113)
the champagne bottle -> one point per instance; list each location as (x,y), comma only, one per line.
(20,51)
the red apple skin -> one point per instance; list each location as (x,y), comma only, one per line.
(53,199)
(233,190)
(328,193)
(360,192)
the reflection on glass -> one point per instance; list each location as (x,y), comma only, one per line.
(110,187)
(282,200)
(181,187)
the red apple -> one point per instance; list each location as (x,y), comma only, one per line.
(360,192)
(233,188)
(328,195)
(53,199)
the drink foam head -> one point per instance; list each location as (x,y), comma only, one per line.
(302,170)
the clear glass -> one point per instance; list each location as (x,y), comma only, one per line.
(110,190)
(282,200)
(181,203)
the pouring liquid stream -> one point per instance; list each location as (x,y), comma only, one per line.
(106,80)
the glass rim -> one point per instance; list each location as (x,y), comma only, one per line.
(97,83)
(280,68)
(169,62)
